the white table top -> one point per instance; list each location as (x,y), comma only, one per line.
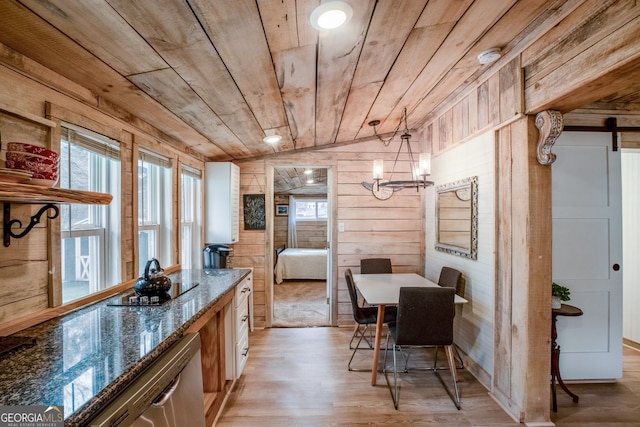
(385,288)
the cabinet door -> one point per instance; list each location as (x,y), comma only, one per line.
(222,202)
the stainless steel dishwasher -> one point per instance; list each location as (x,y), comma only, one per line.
(168,394)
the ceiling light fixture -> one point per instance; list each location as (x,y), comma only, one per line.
(384,188)
(271,137)
(331,15)
(489,56)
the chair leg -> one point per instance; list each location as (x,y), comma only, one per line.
(356,329)
(394,390)
(454,376)
(355,349)
(357,332)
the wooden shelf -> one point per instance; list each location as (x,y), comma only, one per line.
(24,193)
(49,197)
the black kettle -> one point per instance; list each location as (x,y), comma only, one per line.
(154,282)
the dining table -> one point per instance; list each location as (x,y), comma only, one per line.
(382,290)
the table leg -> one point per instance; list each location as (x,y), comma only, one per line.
(376,347)
(555,367)
(555,374)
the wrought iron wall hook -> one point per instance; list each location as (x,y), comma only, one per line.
(35,220)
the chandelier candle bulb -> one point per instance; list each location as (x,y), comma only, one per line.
(425,164)
(378,168)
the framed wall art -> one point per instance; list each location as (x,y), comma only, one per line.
(254,212)
(282,210)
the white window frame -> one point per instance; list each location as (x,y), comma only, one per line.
(104,269)
(191,223)
(315,200)
(159,198)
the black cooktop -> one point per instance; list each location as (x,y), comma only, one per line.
(131,299)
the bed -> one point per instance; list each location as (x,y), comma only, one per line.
(301,263)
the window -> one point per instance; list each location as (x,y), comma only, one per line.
(154,209)
(191,218)
(311,209)
(90,234)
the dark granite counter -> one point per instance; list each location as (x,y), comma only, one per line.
(84,359)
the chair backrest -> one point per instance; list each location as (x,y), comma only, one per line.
(359,314)
(375,266)
(450,278)
(425,316)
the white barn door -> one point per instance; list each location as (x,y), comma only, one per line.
(587,253)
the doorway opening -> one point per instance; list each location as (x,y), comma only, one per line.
(301,236)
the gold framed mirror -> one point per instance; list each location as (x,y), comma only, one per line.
(457,218)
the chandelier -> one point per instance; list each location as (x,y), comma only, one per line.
(419,171)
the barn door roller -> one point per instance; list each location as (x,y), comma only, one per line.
(610,125)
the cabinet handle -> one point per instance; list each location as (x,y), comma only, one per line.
(245,317)
(245,351)
(245,290)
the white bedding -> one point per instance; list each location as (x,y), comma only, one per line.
(300,263)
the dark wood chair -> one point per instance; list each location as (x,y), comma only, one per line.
(375,266)
(424,319)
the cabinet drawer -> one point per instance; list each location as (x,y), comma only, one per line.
(242,354)
(242,320)
(243,289)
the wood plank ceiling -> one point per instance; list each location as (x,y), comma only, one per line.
(218,75)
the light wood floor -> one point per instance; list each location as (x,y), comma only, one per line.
(298,377)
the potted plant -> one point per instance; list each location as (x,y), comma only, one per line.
(559,293)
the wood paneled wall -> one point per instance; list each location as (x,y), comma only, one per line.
(31,283)
(250,251)
(391,228)
(586,57)
(497,100)
(24,266)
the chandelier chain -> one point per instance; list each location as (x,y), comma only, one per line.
(386,143)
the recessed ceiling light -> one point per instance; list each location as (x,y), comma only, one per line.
(489,56)
(331,15)
(308,171)
(272,139)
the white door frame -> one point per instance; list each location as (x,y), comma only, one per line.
(331,237)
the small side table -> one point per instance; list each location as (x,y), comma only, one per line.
(564,310)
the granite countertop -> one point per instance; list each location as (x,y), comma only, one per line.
(85,358)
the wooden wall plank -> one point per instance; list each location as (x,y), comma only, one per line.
(579,80)
(501,381)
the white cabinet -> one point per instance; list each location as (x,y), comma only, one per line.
(222,201)
(238,321)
